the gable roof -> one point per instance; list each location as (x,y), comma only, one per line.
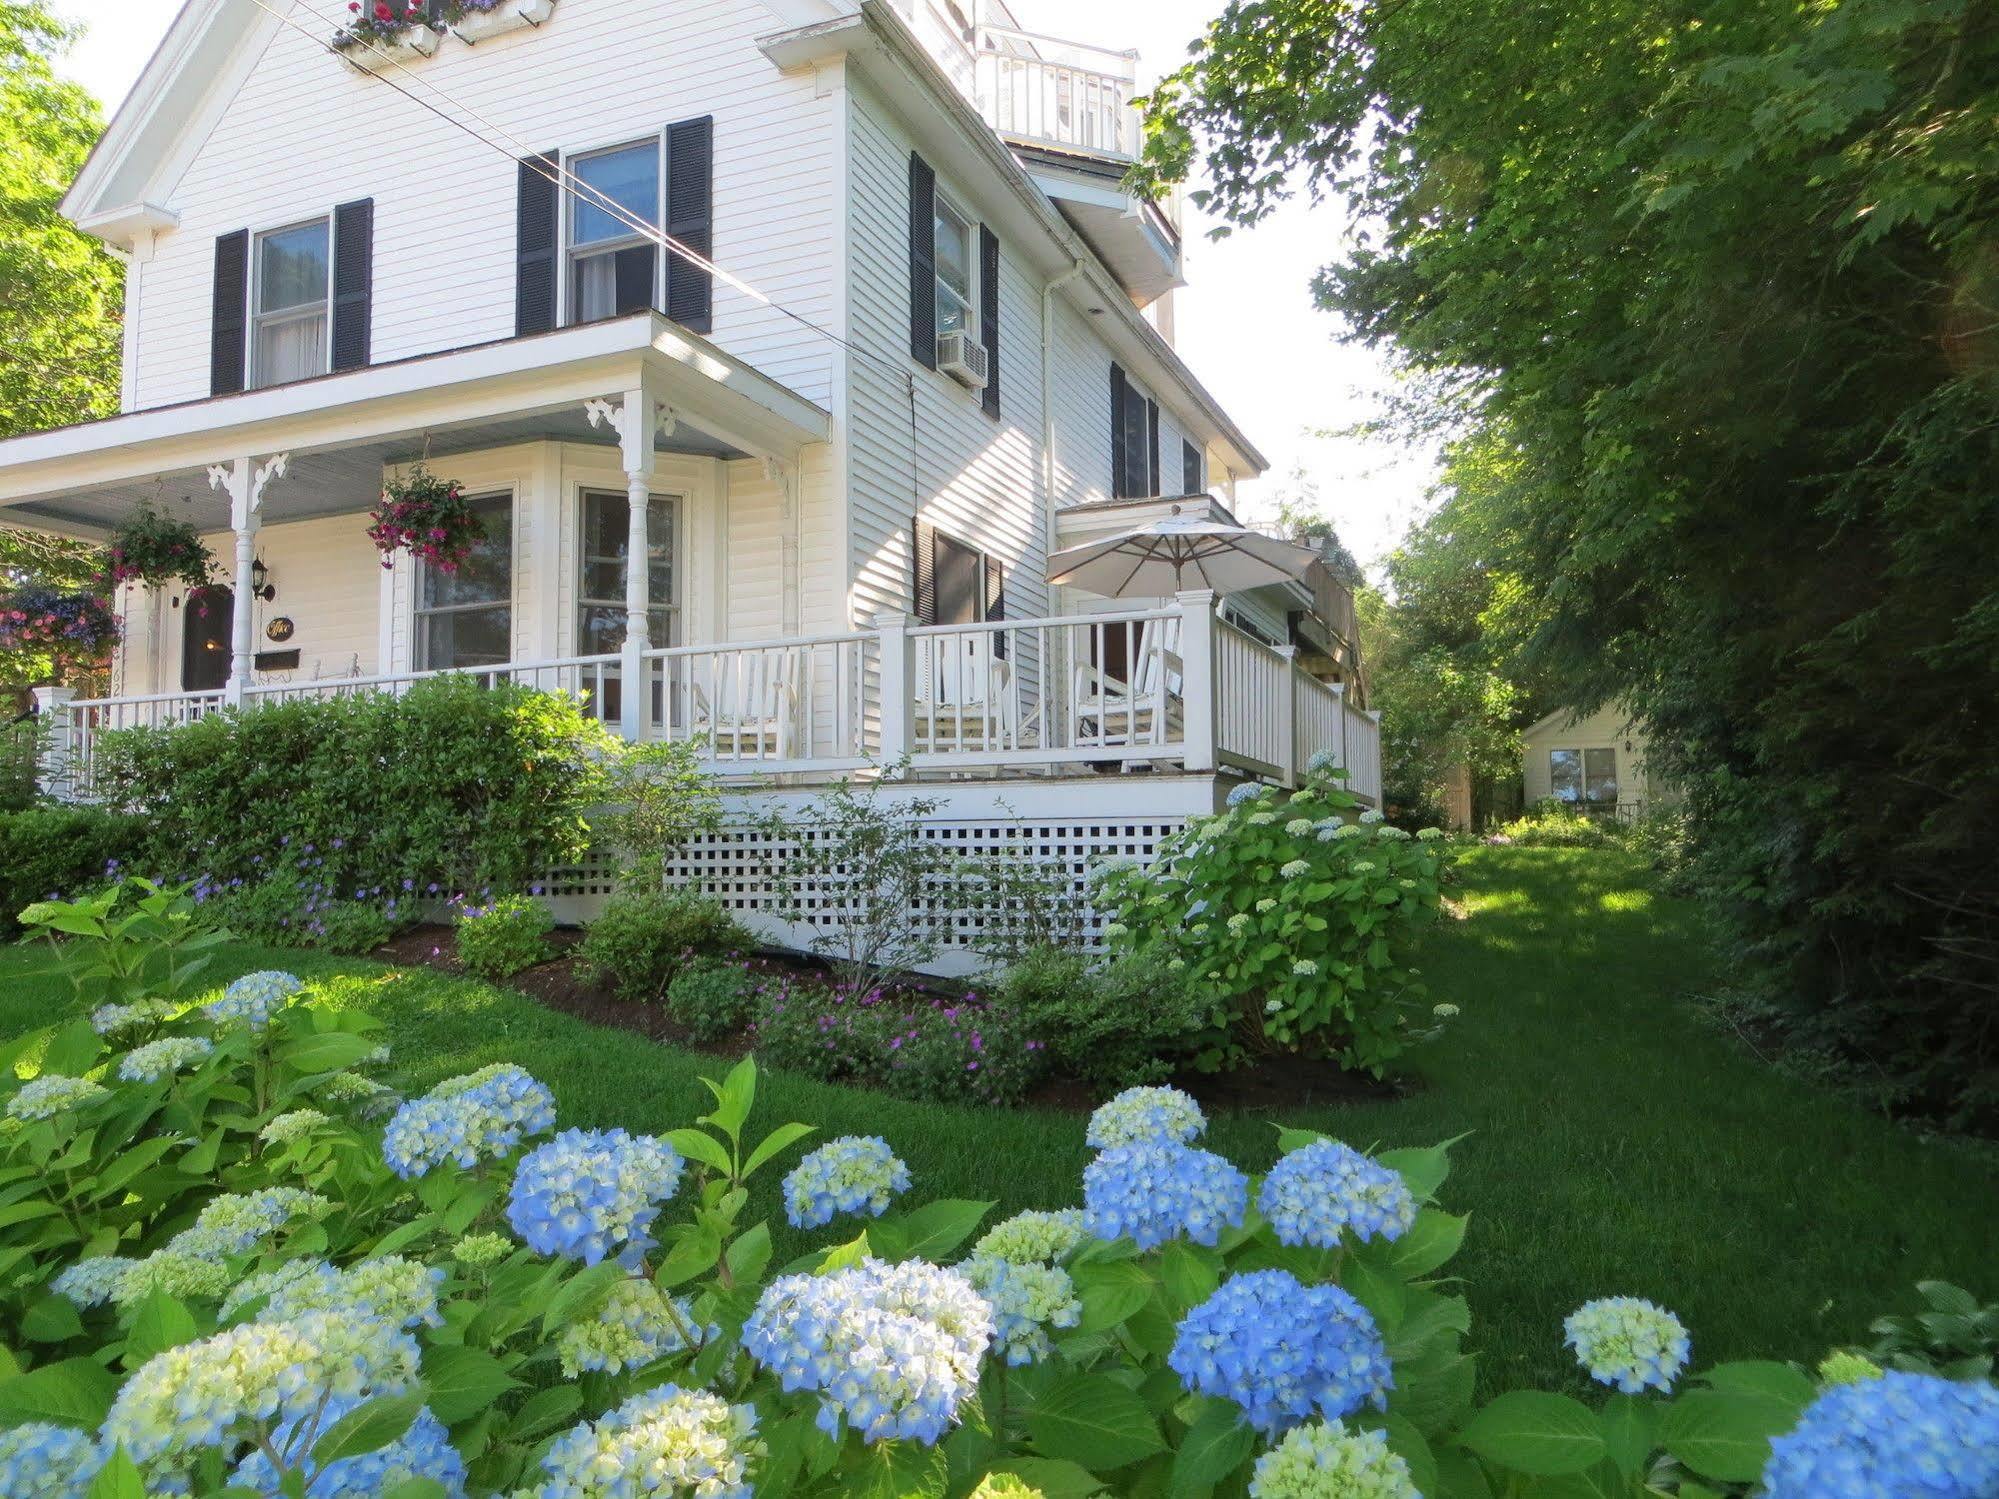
(208,51)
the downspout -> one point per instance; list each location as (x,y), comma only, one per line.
(1048,429)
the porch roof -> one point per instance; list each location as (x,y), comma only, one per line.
(341,429)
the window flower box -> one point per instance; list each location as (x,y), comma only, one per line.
(384,32)
(478,23)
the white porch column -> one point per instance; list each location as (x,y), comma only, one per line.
(898,689)
(1287,713)
(54,773)
(1340,725)
(244,481)
(635,416)
(1199,692)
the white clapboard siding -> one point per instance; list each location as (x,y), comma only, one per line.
(328,582)
(306,132)
(974,478)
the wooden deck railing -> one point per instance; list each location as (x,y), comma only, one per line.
(1171,687)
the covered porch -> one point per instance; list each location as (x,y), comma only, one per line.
(1190,693)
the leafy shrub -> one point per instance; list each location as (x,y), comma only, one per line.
(645,937)
(1018,904)
(56,851)
(867,860)
(1296,920)
(1660,838)
(448,787)
(1133,1020)
(336,1300)
(298,907)
(663,799)
(504,936)
(21,745)
(937,1051)
(1952,1335)
(714,999)
(1553,824)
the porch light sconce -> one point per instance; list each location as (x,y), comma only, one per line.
(260,581)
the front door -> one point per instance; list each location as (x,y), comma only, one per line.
(207,617)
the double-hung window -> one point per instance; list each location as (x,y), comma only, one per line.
(293,291)
(606,533)
(614,267)
(465,618)
(956,256)
(1583,778)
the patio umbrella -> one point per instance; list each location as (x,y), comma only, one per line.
(1179,552)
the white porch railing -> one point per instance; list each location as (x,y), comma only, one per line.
(1171,687)
(1059,104)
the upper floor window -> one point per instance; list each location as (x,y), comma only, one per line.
(293,294)
(954,270)
(613,266)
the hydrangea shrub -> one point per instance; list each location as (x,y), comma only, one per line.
(236,1277)
(1296,914)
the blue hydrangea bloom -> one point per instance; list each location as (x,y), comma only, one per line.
(163,1058)
(424,1451)
(1627,1343)
(1902,1436)
(1282,1351)
(1027,1300)
(1152,1192)
(661,1444)
(892,1349)
(1315,1194)
(593,1193)
(255,998)
(1248,791)
(1146,1114)
(465,1120)
(855,1174)
(40,1461)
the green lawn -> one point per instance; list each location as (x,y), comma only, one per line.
(1615,1147)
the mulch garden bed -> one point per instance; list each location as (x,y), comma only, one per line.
(1275,1083)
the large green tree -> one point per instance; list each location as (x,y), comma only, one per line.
(1722,282)
(59,289)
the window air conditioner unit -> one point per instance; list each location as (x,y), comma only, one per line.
(962,359)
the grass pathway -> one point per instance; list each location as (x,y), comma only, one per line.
(1615,1146)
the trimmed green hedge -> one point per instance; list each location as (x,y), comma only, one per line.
(449,787)
(49,851)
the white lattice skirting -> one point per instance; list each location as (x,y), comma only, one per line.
(1066,827)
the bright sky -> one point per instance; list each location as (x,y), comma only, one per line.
(1248,325)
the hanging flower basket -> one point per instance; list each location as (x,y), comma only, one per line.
(427,517)
(49,619)
(154,548)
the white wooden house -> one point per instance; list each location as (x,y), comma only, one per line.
(924,339)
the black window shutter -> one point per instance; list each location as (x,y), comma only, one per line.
(989,304)
(230,325)
(922,262)
(1118,463)
(1192,480)
(690,219)
(996,603)
(537,232)
(1152,475)
(926,574)
(353,283)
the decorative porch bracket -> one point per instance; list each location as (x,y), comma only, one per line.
(244,480)
(638,418)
